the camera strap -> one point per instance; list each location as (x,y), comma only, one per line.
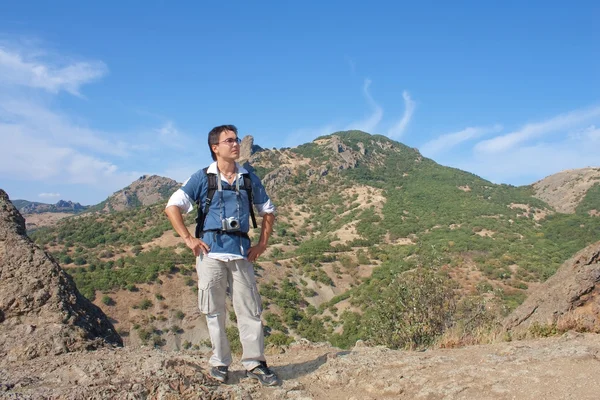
(214,184)
(237,195)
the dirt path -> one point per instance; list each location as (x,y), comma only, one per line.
(565,367)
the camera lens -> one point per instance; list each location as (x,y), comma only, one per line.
(233,224)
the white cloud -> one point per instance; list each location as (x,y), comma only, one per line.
(306,135)
(31,158)
(537,150)
(38,121)
(591,133)
(170,136)
(535,130)
(398,129)
(370,123)
(528,164)
(351,64)
(49,195)
(450,140)
(19,69)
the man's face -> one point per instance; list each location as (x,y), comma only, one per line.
(228,147)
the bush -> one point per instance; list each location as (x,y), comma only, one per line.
(279,339)
(233,335)
(145,304)
(412,311)
(107,300)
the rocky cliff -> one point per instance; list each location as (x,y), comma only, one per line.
(569,297)
(41,311)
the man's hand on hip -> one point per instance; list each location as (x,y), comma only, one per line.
(197,246)
(255,251)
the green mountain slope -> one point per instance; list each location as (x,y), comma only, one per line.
(372,241)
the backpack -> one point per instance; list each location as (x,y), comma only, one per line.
(212,188)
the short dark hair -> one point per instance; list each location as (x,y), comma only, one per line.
(215,134)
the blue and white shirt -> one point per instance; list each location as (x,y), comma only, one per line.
(228,203)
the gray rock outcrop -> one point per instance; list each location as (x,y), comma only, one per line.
(574,290)
(41,311)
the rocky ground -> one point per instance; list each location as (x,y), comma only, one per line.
(564,367)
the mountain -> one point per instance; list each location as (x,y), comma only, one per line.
(55,344)
(369,235)
(566,191)
(145,191)
(62,206)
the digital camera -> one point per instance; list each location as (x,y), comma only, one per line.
(230,224)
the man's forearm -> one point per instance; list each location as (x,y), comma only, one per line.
(266,228)
(174,215)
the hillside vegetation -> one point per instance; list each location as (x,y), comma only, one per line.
(373,241)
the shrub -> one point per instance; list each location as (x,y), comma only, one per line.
(279,339)
(107,300)
(412,311)
(179,314)
(233,335)
(145,304)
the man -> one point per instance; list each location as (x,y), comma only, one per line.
(224,252)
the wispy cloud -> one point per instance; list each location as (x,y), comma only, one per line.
(450,140)
(566,141)
(527,164)
(36,120)
(27,69)
(32,158)
(49,195)
(170,136)
(305,135)
(370,123)
(398,128)
(535,130)
(590,133)
(351,64)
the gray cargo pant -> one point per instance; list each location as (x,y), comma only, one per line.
(214,277)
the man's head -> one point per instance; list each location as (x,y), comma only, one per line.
(223,140)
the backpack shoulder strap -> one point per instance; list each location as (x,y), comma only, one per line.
(202,211)
(248,188)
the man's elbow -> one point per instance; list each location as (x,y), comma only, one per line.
(171,210)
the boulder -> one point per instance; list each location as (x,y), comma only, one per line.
(572,292)
(41,310)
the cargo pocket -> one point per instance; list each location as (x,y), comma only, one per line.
(211,287)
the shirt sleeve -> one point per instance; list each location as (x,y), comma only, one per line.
(182,201)
(260,197)
(191,192)
(265,208)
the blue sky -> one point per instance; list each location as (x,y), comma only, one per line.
(94,95)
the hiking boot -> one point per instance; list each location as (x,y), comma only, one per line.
(219,373)
(265,376)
